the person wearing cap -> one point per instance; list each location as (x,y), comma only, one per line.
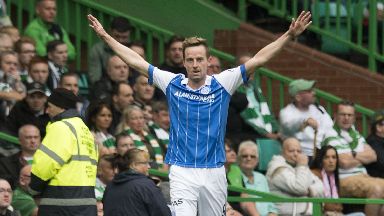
(64,167)
(31,110)
(305,120)
(354,154)
(376,141)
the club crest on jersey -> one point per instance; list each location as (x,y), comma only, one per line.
(205,90)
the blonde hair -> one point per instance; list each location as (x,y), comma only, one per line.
(123,125)
(195,41)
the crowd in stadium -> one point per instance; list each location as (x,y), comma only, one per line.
(129,124)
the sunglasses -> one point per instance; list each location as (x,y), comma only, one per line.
(247,156)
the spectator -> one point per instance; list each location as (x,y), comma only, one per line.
(304,119)
(131,192)
(11,87)
(173,61)
(249,115)
(174,56)
(326,168)
(29,137)
(117,71)
(57,60)
(235,178)
(6,198)
(64,167)
(354,153)
(143,92)
(100,53)
(248,158)
(22,201)
(26,48)
(124,143)
(12,31)
(31,110)
(44,29)
(122,97)
(105,174)
(376,141)
(132,123)
(289,175)
(99,119)
(214,65)
(39,72)
(139,48)
(6,43)
(159,127)
(70,81)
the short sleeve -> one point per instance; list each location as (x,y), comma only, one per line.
(160,78)
(232,78)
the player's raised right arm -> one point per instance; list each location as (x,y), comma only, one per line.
(129,56)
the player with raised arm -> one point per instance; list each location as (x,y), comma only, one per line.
(198,107)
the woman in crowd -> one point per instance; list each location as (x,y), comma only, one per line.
(132,192)
(235,178)
(248,158)
(99,119)
(326,167)
(133,123)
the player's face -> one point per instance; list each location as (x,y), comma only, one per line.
(196,64)
(329,161)
(248,158)
(345,116)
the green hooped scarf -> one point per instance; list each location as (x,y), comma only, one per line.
(352,133)
(141,145)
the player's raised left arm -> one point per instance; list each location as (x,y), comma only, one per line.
(268,52)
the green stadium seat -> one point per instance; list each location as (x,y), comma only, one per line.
(267,149)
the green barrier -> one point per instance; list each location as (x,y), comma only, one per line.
(340,24)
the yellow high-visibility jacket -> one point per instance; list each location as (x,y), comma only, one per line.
(64,169)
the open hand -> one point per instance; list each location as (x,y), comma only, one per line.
(96,26)
(300,24)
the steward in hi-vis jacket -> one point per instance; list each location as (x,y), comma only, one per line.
(64,167)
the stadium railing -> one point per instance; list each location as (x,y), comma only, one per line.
(260,196)
(341,24)
(72,15)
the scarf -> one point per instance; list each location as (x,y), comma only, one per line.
(257,113)
(156,155)
(352,133)
(162,136)
(330,189)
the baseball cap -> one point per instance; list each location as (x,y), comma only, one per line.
(35,87)
(377,117)
(299,85)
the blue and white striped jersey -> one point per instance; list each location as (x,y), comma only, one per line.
(198,117)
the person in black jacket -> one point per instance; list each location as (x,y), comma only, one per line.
(30,110)
(376,141)
(132,192)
